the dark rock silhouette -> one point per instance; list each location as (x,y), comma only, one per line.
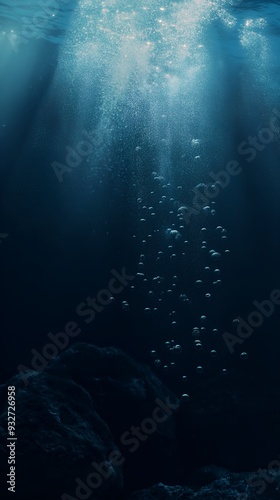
(219,484)
(91,405)
(75,412)
(59,434)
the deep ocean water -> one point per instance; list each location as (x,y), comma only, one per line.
(139,249)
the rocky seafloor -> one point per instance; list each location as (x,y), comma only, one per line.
(97,425)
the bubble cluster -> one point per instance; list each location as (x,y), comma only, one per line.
(178,279)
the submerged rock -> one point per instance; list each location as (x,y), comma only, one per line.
(59,436)
(76,421)
(213,483)
(125,395)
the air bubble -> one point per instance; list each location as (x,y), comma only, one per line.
(216,256)
(178,348)
(183,297)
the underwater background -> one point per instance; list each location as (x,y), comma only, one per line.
(140,210)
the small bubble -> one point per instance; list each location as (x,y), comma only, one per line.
(178,349)
(217,283)
(183,297)
(215,256)
(195,332)
(207,210)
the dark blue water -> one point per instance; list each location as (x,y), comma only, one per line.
(111,114)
